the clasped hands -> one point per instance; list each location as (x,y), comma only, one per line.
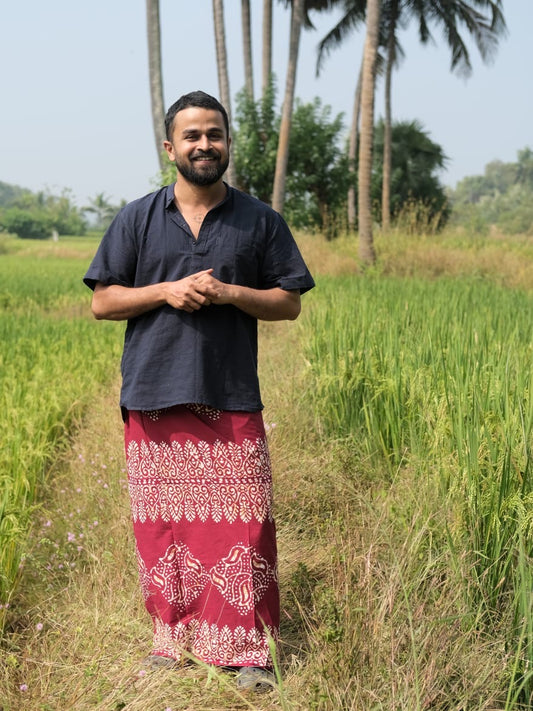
(197,290)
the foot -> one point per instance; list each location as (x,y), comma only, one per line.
(256,679)
(157,661)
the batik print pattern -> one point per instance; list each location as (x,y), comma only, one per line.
(231,647)
(191,579)
(242,577)
(224,481)
(201,496)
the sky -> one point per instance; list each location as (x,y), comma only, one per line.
(76,102)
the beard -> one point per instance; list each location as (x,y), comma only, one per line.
(204,175)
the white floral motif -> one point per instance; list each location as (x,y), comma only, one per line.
(210,412)
(223,481)
(144,576)
(242,577)
(213,644)
(154,415)
(179,576)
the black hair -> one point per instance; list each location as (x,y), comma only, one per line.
(194,98)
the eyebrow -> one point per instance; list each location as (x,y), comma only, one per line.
(213,129)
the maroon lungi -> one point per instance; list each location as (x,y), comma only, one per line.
(200,484)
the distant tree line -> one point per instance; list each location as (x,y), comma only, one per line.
(39,215)
(502,196)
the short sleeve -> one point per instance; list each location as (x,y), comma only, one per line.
(283,265)
(115,261)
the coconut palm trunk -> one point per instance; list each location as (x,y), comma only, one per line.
(247,48)
(153,29)
(387,140)
(392,25)
(267,47)
(282,158)
(352,150)
(222,69)
(367,252)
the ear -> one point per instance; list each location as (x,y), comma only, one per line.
(169,148)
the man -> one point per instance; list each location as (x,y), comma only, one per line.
(192,267)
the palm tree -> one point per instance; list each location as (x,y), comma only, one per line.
(415,185)
(102,209)
(299,18)
(222,68)
(351,20)
(367,253)
(483,19)
(247,48)
(156,77)
(390,20)
(278,191)
(352,150)
(449,14)
(267,48)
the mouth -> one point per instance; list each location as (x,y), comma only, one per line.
(204,158)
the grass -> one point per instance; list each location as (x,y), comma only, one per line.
(51,366)
(386,604)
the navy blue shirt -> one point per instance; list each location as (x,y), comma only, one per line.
(172,357)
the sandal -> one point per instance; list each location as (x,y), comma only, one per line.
(256,679)
(157,661)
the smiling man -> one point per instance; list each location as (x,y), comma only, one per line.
(192,267)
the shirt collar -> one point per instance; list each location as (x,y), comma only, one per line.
(169,195)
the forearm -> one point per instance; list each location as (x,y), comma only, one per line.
(268,304)
(118,303)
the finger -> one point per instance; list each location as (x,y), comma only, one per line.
(197,275)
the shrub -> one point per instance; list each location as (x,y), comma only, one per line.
(27,224)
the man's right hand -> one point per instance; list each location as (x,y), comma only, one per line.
(183,294)
(117,303)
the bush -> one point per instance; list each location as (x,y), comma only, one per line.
(27,224)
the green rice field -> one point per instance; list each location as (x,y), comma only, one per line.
(436,377)
(53,360)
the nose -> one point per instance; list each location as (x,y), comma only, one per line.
(204,143)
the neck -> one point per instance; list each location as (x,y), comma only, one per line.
(190,195)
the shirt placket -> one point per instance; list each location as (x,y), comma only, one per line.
(200,247)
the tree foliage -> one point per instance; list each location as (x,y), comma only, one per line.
(317,175)
(102,210)
(502,196)
(416,161)
(10,193)
(317,179)
(255,143)
(37,215)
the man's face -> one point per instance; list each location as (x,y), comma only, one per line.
(199,146)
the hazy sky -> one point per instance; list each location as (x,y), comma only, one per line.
(75,95)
